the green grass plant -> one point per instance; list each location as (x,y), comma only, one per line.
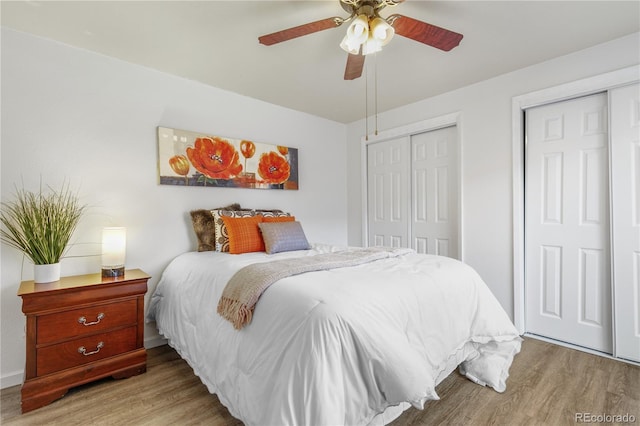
(41,224)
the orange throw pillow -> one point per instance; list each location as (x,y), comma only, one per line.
(279,219)
(244,234)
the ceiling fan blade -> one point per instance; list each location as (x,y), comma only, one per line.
(299,31)
(355,63)
(432,35)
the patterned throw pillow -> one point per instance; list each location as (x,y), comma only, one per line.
(278,218)
(244,234)
(222,234)
(283,236)
(272,213)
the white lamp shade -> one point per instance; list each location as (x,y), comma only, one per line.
(371,46)
(350,47)
(358,31)
(114,242)
(370,35)
(381,31)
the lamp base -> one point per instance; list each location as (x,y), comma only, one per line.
(112,272)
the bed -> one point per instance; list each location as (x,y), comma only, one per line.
(352,345)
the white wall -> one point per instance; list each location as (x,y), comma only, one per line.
(72,114)
(485,129)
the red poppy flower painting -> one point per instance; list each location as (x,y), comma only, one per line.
(247,148)
(215,158)
(194,159)
(273,168)
(179,164)
(283,150)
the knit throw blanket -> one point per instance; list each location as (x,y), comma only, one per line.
(243,290)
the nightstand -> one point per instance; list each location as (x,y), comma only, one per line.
(79,329)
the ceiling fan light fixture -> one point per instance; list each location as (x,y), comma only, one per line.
(358,30)
(357,34)
(381,31)
(349,46)
(371,46)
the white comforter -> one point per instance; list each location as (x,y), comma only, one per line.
(335,347)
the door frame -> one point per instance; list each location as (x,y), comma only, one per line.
(447,120)
(519,104)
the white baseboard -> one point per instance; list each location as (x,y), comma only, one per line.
(16,378)
(11,379)
(154,341)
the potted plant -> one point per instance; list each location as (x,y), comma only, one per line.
(40,225)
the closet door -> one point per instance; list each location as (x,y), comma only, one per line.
(388,193)
(567,266)
(625,175)
(434,200)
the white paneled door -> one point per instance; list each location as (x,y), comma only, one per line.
(434,211)
(412,192)
(567,267)
(625,167)
(388,193)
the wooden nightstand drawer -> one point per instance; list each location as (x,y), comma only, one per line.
(85,350)
(89,320)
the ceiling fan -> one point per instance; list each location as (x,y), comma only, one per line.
(368,32)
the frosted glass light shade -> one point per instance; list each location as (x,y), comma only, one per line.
(357,33)
(350,47)
(371,35)
(381,31)
(114,242)
(371,46)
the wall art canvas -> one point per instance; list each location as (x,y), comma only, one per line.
(196,159)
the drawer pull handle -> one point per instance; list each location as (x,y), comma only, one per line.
(84,352)
(83,320)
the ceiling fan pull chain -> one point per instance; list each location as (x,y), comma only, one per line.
(366,102)
(375,77)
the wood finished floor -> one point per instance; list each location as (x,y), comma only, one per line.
(548,385)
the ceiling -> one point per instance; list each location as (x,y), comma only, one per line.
(216,43)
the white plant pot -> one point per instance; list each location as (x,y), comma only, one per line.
(46,273)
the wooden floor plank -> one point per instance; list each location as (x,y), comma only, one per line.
(548,385)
